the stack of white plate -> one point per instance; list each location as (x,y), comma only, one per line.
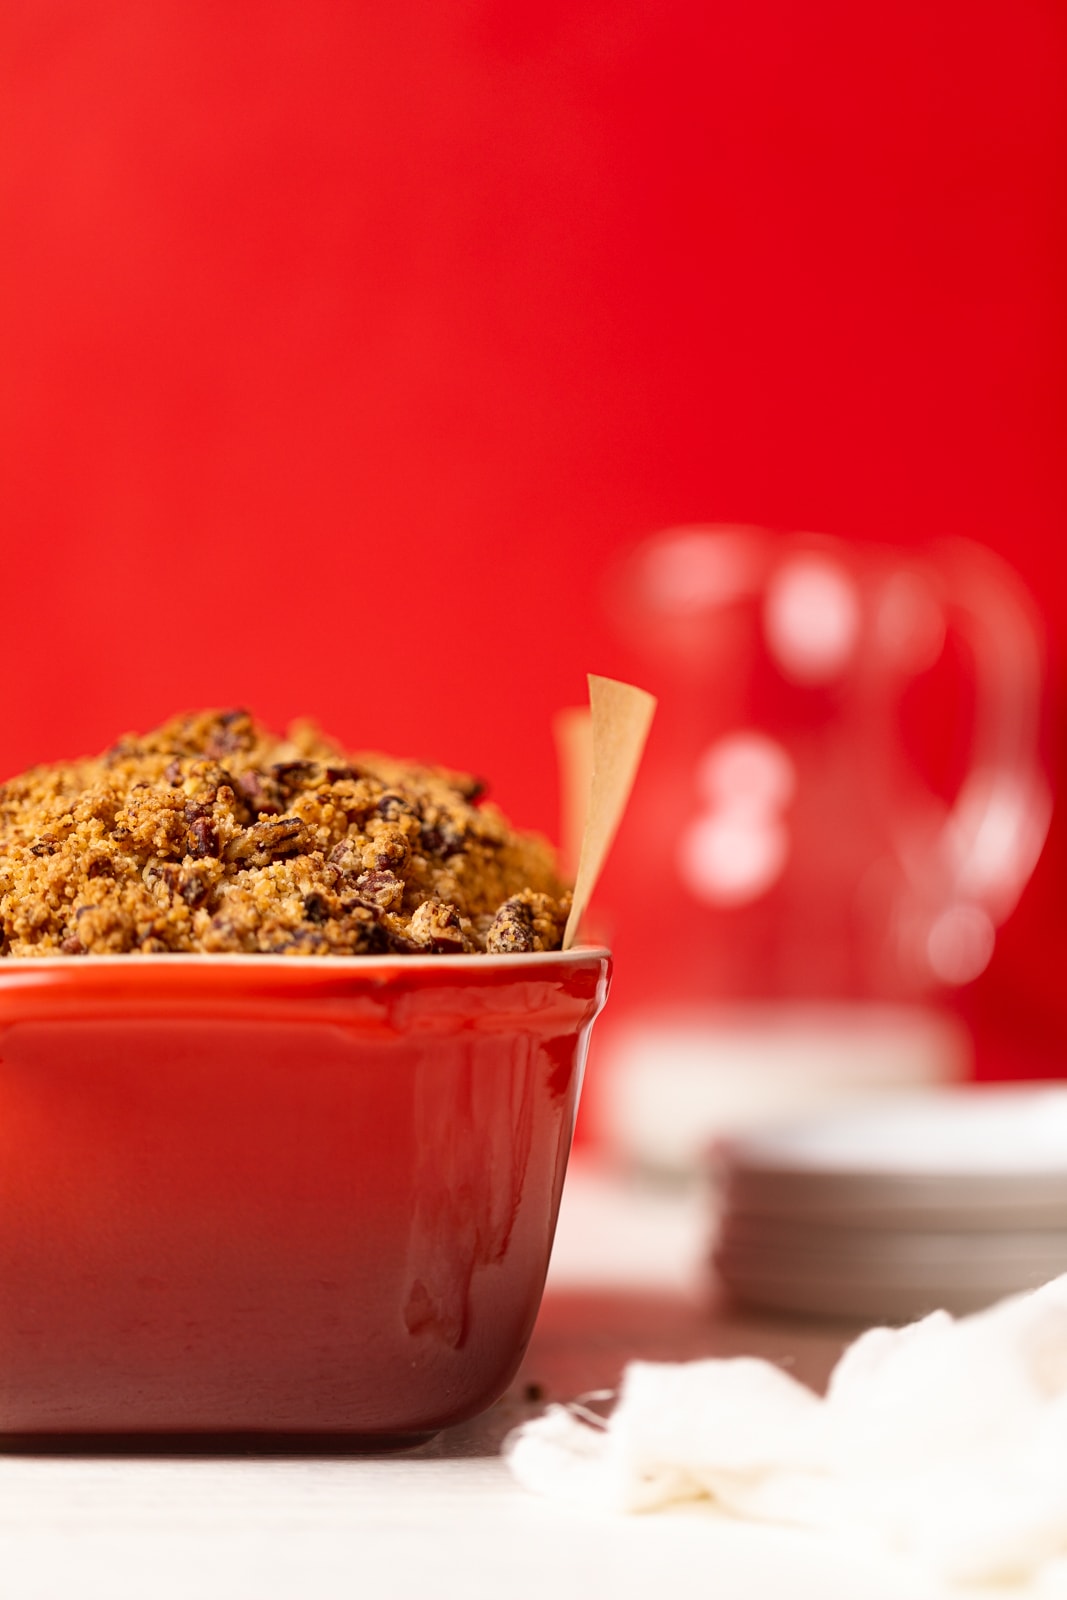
(950,1198)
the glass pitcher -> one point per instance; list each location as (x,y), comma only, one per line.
(843,796)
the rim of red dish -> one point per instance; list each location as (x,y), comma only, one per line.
(24,966)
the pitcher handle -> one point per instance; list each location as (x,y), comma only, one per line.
(996,827)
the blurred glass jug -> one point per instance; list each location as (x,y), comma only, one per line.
(843,795)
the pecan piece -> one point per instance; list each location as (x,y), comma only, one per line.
(435,925)
(380,888)
(156,871)
(199,804)
(316,908)
(373,939)
(391,806)
(265,841)
(345,863)
(295,774)
(441,839)
(511,930)
(194,885)
(232,731)
(201,839)
(259,792)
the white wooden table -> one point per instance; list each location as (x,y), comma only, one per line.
(448,1520)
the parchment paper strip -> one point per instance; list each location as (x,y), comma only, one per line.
(621,717)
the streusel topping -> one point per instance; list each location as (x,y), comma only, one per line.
(211,834)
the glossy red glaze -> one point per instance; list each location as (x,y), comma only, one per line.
(277,1196)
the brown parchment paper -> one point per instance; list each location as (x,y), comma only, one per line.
(620,717)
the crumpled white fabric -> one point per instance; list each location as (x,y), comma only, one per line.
(946,1439)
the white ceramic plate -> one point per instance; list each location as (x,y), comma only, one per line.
(889,1277)
(990,1159)
(949,1198)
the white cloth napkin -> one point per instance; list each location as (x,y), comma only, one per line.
(947,1439)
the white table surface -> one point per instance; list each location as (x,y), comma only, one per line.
(448,1520)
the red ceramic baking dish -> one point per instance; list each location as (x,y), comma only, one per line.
(278,1197)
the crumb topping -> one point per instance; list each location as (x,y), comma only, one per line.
(211,834)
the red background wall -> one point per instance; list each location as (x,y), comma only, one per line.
(342,346)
